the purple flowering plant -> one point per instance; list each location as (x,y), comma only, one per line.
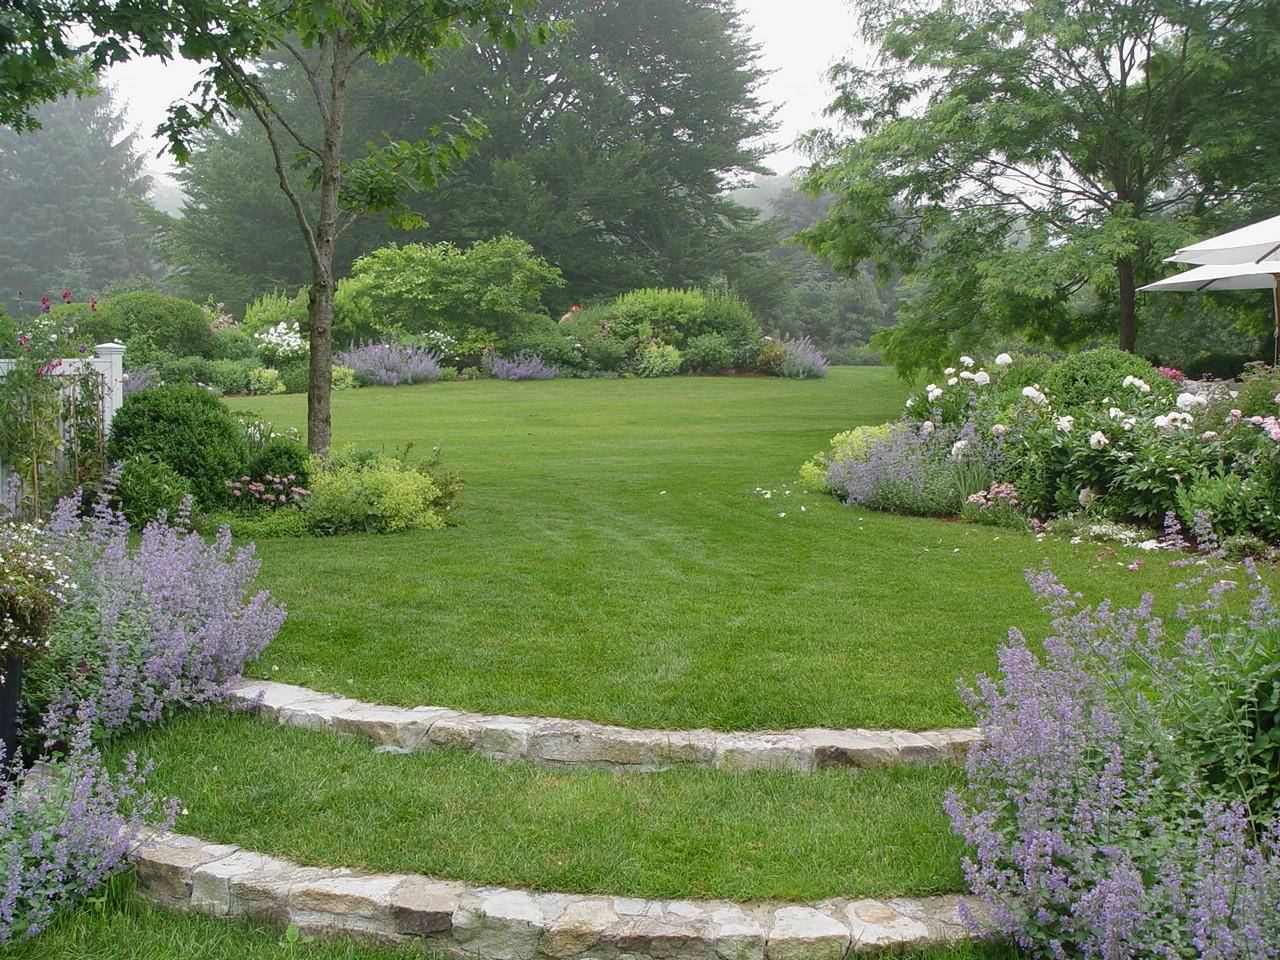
(520,366)
(388,364)
(1122,801)
(64,833)
(801,359)
(161,619)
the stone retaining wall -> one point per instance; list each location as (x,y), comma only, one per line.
(559,742)
(495,923)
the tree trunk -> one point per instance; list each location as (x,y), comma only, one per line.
(319,383)
(1128,305)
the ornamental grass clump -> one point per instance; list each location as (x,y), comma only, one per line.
(161,619)
(63,835)
(391,364)
(1122,801)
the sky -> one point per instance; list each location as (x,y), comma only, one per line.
(800,39)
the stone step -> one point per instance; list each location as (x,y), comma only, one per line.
(554,742)
(496,923)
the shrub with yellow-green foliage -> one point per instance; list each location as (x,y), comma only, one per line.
(361,491)
(851,445)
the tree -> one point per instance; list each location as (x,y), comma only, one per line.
(609,149)
(69,192)
(1029,162)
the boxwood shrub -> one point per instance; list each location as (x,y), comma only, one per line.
(188,428)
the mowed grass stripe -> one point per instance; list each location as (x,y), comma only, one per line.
(615,563)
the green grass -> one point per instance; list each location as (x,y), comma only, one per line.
(126,929)
(320,799)
(615,563)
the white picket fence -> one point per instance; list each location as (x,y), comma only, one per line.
(108,363)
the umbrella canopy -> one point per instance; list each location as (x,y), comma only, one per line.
(1222,276)
(1264,275)
(1252,244)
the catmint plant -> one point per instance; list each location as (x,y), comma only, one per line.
(161,619)
(1102,821)
(391,364)
(801,359)
(522,366)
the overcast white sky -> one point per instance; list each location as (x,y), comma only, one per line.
(800,39)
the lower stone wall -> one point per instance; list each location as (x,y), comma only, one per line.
(555,742)
(494,923)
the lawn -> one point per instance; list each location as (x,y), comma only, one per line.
(687,833)
(614,561)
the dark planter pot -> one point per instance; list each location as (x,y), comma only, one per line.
(10,698)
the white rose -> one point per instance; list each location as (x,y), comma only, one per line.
(958,448)
(966,361)
(1188,401)
(982,378)
(926,428)
(933,392)
(911,402)
(966,375)
(1003,360)
(949,371)
(1098,440)
(1034,395)
(1065,423)
(953,381)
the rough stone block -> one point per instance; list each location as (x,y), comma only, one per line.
(316,714)
(742,752)
(421,907)
(164,869)
(803,933)
(211,882)
(499,924)
(668,937)
(850,748)
(569,741)
(875,925)
(269,697)
(579,927)
(503,738)
(736,934)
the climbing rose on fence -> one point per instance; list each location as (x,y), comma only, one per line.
(391,364)
(168,622)
(1119,811)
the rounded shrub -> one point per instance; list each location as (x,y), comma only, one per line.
(148,485)
(232,345)
(1091,376)
(657,360)
(90,327)
(282,457)
(272,309)
(708,353)
(173,324)
(675,317)
(265,381)
(187,370)
(231,376)
(189,429)
(294,375)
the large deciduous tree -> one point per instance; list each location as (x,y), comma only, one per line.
(69,193)
(609,150)
(1030,161)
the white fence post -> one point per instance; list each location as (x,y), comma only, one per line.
(112,370)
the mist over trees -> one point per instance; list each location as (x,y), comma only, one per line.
(70,192)
(609,149)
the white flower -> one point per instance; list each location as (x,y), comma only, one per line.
(933,392)
(1188,401)
(926,428)
(1086,496)
(966,361)
(999,430)
(1098,440)
(1169,422)
(982,378)
(1003,360)
(958,448)
(1115,413)
(949,371)
(966,375)
(1137,383)
(1034,395)
(911,402)
(953,381)
(1065,423)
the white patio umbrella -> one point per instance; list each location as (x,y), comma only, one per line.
(1252,244)
(1262,275)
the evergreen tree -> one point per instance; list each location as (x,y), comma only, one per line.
(68,195)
